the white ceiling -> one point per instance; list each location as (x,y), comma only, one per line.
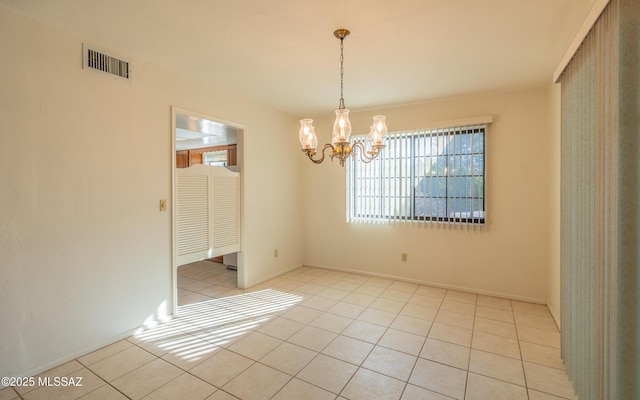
(283,52)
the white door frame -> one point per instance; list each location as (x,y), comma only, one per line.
(241,275)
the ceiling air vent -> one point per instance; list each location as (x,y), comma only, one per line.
(97,60)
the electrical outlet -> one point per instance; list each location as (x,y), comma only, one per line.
(275,252)
(404,257)
(163,205)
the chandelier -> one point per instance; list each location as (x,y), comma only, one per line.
(340,146)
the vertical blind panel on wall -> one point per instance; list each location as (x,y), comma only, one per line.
(589,186)
(432,177)
(192,224)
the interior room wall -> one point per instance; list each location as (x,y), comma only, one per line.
(553,283)
(508,258)
(85,252)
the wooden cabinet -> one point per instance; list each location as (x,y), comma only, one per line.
(182,159)
(187,158)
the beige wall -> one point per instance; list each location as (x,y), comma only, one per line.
(553,283)
(509,258)
(85,253)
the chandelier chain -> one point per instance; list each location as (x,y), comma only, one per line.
(341,105)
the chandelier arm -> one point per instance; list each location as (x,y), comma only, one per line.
(319,160)
(365,156)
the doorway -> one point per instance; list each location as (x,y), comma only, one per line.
(199,140)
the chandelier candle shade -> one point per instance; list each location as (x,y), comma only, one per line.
(340,146)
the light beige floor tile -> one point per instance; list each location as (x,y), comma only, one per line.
(382,282)
(348,349)
(8,394)
(105,392)
(535,321)
(496,366)
(412,392)
(66,369)
(296,389)
(334,293)
(185,386)
(281,328)
(390,362)
(431,291)
(388,305)
(419,311)
(496,344)
(464,297)
(451,334)
(105,352)
(147,378)
(548,380)
(346,285)
(121,363)
(221,368)
(61,370)
(402,341)
(446,353)
(539,336)
(347,310)
(367,385)
(536,395)
(364,331)
(302,314)
(188,354)
(454,319)
(257,382)
(288,358)
(221,395)
(397,295)
(494,327)
(359,299)
(289,284)
(255,345)
(481,388)
(411,324)
(335,274)
(377,317)
(327,373)
(331,322)
(369,290)
(321,280)
(425,300)
(496,314)
(310,288)
(79,383)
(439,378)
(458,307)
(530,308)
(543,355)
(495,302)
(319,303)
(312,338)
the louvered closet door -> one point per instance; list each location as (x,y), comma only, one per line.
(225,211)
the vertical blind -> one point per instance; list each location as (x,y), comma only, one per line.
(600,333)
(430,176)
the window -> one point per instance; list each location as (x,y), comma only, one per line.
(425,175)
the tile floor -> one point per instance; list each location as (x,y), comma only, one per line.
(320,334)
